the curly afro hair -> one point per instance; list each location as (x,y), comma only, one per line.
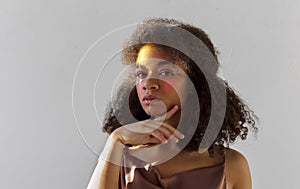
(239,118)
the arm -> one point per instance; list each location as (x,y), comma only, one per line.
(237,171)
(106,173)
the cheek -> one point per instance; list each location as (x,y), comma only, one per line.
(174,85)
(167,86)
(139,88)
(170,85)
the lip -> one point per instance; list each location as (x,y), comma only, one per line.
(148,99)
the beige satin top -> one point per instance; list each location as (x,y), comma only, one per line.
(212,177)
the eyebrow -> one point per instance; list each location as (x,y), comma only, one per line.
(161,63)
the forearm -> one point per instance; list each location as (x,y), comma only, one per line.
(106,173)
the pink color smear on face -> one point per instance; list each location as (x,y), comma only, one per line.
(164,85)
(140,87)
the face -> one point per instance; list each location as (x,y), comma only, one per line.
(160,83)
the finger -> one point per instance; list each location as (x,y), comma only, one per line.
(159,136)
(153,139)
(173,130)
(173,139)
(167,134)
(171,112)
(162,126)
(163,133)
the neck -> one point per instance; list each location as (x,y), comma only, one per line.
(174,120)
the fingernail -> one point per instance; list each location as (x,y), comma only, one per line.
(166,141)
(176,140)
(181,136)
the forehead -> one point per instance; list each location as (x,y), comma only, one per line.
(150,54)
(150,51)
(154,63)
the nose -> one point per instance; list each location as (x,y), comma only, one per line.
(150,84)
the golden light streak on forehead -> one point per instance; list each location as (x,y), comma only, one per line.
(150,51)
(142,55)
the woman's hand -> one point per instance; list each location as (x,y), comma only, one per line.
(148,131)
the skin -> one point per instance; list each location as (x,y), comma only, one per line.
(167,82)
(237,170)
(163,128)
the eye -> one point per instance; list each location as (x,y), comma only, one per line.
(166,73)
(141,75)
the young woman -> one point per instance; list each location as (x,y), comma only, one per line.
(163,123)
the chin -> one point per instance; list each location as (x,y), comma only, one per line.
(156,108)
(155,111)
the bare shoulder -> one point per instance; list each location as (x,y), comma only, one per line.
(236,157)
(237,170)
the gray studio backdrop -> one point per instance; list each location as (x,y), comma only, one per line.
(49,49)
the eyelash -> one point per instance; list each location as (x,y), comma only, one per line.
(142,74)
(138,74)
(170,73)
